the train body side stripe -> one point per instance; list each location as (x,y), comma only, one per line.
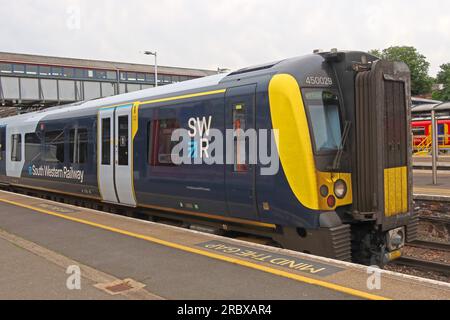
(294,143)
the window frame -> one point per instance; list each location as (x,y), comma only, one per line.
(239,109)
(106,142)
(123,151)
(153,145)
(75,146)
(308,116)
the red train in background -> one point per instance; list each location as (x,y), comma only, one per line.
(421,130)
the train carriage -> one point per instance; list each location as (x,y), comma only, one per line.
(341,122)
(421,130)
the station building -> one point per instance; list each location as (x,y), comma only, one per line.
(32,82)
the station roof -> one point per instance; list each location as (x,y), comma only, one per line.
(99,64)
(420,101)
(443,107)
(424,108)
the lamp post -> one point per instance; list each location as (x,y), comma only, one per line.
(155,54)
(434,145)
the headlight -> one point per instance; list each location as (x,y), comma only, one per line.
(340,189)
(396,239)
(324,191)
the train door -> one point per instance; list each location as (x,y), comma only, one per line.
(240,176)
(115,160)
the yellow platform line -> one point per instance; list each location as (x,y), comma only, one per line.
(311,281)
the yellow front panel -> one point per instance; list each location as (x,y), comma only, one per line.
(395,191)
(294,141)
(295,147)
(329,179)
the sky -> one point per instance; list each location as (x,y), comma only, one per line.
(232,34)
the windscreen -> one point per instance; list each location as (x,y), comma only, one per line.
(322,107)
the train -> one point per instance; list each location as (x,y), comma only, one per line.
(421,130)
(338,123)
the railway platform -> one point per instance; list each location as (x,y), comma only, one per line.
(44,243)
(425,163)
(425,190)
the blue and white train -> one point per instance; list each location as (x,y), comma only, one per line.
(343,188)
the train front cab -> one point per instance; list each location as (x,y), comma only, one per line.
(376,96)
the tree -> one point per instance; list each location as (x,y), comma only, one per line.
(421,82)
(443,77)
(376,53)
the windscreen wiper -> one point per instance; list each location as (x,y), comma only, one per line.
(344,138)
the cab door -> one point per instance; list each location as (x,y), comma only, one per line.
(115,150)
(240,176)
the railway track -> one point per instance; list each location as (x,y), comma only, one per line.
(424,265)
(436,220)
(440,246)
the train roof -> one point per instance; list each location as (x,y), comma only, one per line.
(308,64)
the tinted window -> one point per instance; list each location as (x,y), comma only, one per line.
(80,73)
(68,72)
(100,74)
(323,111)
(239,127)
(419,131)
(111,75)
(16,148)
(19,68)
(160,145)
(32,69)
(123,140)
(5,68)
(131,76)
(141,77)
(44,71)
(54,147)
(78,145)
(106,141)
(32,147)
(57,71)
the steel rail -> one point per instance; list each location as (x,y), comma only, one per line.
(424,265)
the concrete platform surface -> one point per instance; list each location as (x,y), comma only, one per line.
(143,260)
(423,184)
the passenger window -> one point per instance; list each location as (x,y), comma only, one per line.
(240,164)
(418,131)
(32,147)
(78,145)
(16,148)
(160,144)
(54,146)
(123,140)
(106,141)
